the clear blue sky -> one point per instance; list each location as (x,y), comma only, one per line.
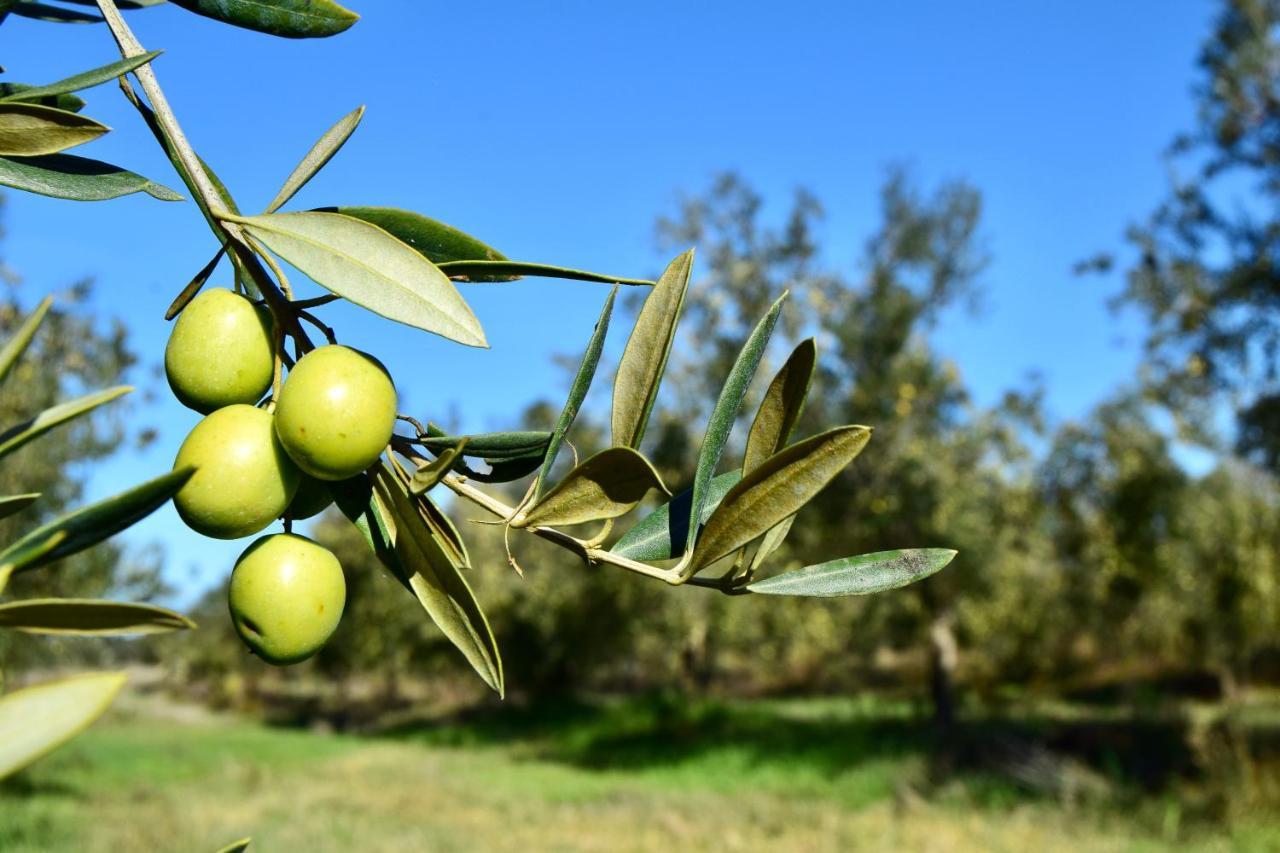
(558,131)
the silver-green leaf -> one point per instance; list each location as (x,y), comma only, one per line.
(366,265)
(861,575)
(37,720)
(609,484)
(77,178)
(85,79)
(296,19)
(321,153)
(32,130)
(781,407)
(84,616)
(18,435)
(664,533)
(21,339)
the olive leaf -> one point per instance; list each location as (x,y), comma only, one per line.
(17,345)
(85,79)
(635,388)
(428,476)
(861,575)
(769,543)
(425,567)
(434,240)
(577,391)
(36,720)
(663,533)
(502,470)
(77,178)
(89,525)
(321,153)
(504,270)
(17,92)
(295,19)
(726,408)
(237,846)
(89,617)
(123,5)
(13,504)
(776,489)
(606,485)
(491,446)
(438,523)
(781,407)
(30,130)
(19,434)
(366,265)
(55,14)
(193,287)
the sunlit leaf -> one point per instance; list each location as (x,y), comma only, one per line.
(321,153)
(770,543)
(237,846)
(504,270)
(286,18)
(663,533)
(434,240)
(17,92)
(90,616)
(13,504)
(89,525)
(37,720)
(77,178)
(18,435)
(366,265)
(437,581)
(725,411)
(577,391)
(606,485)
(776,489)
(30,130)
(17,345)
(781,407)
(86,79)
(861,575)
(645,357)
(428,476)
(494,445)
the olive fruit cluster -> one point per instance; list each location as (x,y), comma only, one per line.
(331,419)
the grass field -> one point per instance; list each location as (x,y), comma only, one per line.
(642,775)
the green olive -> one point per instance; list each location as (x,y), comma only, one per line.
(286,597)
(336,412)
(243,481)
(219,352)
(313,498)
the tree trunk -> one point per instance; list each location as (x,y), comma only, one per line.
(944,653)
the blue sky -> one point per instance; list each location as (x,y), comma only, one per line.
(559,131)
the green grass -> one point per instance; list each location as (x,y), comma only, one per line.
(637,775)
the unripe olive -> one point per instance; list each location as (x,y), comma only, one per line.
(219,352)
(286,597)
(243,481)
(313,498)
(336,412)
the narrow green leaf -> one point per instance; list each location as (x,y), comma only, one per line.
(493,446)
(428,476)
(77,178)
(778,488)
(726,409)
(366,265)
(193,287)
(30,130)
(438,582)
(84,616)
(13,504)
(17,345)
(123,5)
(37,720)
(237,846)
(861,575)
(18,92)
(87,79)
(502,470)
(577,391)
(769,543)
(321,153)
(434,240)
(781,407)
(663,533)
(606,485)
(55,14)
(295,19)
(645,357)
(89,525)
(503,270)
(19,434)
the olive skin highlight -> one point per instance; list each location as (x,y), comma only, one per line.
(220,352)
(286,597)
(243,481)
(336,412)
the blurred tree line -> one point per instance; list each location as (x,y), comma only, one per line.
(1090,553)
